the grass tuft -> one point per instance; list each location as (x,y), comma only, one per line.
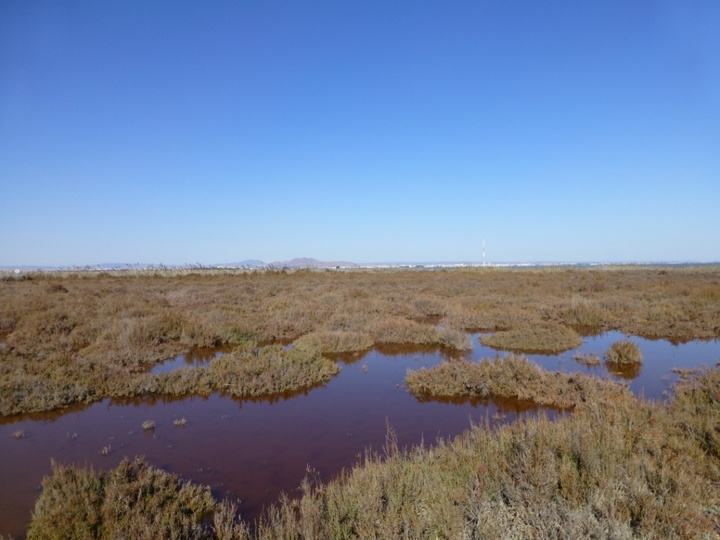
(623,352)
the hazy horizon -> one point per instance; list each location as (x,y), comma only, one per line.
(196,132)
(264,264)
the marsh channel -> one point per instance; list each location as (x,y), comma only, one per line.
(252,450)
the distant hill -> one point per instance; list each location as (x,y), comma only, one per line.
(307,262)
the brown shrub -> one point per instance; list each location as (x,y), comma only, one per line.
(333,342)
(133,500)
(513,377)
(539,338)
(624,352)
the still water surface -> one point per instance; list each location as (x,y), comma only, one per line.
(253,449)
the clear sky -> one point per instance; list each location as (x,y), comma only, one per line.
(181,132)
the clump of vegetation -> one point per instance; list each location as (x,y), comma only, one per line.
(334,342)
(623,353)
(134,500)
(584,313)
(405,331)
(513,377)
(591,359)
(148,425)
(273,370)
(540,338)
(79,337)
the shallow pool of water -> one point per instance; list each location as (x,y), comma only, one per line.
(651,380)
(195,357)
(254,449)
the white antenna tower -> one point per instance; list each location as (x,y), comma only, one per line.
(483,252)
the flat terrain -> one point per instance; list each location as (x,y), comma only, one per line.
(84,337)
(615,467)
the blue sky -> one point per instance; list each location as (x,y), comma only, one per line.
(183,132)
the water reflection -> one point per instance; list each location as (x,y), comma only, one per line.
(652,379)
(624,371)
(195,357)
(254,449)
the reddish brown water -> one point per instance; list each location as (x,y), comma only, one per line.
(253,450)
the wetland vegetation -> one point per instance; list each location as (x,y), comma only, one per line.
(616,465)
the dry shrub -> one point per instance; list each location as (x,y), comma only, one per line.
(402,331)
(513,377)
(227,524)
(623,352)
(133,500)
(334,342)
(538,338)
(696,410)
(247,371)
(270,370)
(398,330)
(585,313)
(453,339)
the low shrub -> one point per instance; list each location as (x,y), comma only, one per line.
(269,370)
(538,338)
(623,352)
(513,377)
(333,342)
(133,500)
